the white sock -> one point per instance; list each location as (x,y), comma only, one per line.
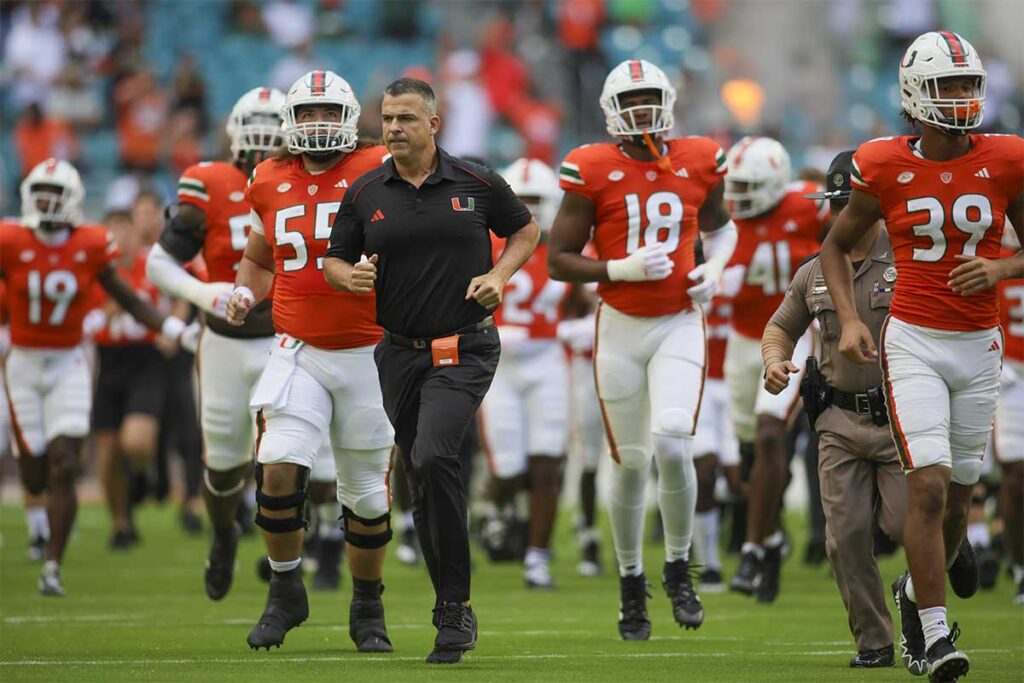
(933,620)
(285,566)
(329,526)
(977,535)
(535,556)
(677,493)
(775,540)
(707,532)
(751,547)
(626,508)
(407,520)
(38,522)
(909,589)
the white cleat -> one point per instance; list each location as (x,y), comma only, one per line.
(539,576)
(49,580)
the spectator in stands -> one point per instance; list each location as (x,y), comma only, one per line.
(466,108)
(141,113)
(292,66)
(33,52)
(579,30)
(76,95)
(189,92)
(38,137)
(289,23)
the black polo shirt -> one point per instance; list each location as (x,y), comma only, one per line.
(430,241)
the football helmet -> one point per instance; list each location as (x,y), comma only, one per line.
(536,184)
(254,124)
(759,170)
(319,137)
(630,76)
(932,57)
(52,195)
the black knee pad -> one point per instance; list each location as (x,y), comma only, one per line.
(296,501)
(366,541)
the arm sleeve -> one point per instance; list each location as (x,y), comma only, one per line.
(507,213)
(347,235)
(792,315)
(181,238)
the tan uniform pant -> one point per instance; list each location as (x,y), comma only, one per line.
(861,477)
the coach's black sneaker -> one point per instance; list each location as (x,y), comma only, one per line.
(633,621)
(912,634)
(771,573)
(366,625)
(964,576)
(287,607)
(988,567)
(874,659)
(220,564)
(748,574)
(328,568)
(946,663)
(456,633)
(677,578)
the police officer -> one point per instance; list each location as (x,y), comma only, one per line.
(422,219)
(859,468)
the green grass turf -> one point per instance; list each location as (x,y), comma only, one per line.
(143,616)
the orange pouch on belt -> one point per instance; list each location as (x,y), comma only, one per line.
(445,351)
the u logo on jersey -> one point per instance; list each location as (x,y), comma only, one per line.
(463,204)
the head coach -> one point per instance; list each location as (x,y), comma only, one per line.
(423,220)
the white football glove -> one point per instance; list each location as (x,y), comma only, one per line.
(93,322)
(213,297)
(189,339)
(577,334)
(706,278)
(646,263)
(732,280)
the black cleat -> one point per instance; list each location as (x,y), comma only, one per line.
(263,570)
(590,555)
(37,548)
(633,621)
(711,580)
(988,567)
(328,568)
(874,659)
(220,564)
(366,625)
(747,576)
(912,633)
(287,607)
(456,633)
(677,579)
(964,575)
(946,663)
(190,522)
(771,573)
(124,540)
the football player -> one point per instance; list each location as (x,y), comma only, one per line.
(945,196)
(320,376)
(643,199)
(525,414)
(778,228)
(49,262)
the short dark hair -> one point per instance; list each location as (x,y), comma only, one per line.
(413,86)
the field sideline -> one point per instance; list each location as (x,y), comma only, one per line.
(144,617)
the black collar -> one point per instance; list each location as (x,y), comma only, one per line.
(445,169)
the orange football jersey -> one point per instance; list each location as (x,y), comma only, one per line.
(935,211)
(218,189)
(122,329)
(637,203)
(716,325)
(1011,314)
(296,212)
(532,300)
(49,287)
(770,248)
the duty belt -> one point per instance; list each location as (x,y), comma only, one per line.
(870,403)
(424,342)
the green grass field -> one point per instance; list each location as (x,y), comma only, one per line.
(144,616)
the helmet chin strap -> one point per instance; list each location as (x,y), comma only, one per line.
(664,163)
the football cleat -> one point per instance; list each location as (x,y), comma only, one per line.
(408,550)
(37,548)
(771,574)
(287,607)
(328,568)
(190,522)
(633,621)
(539,576)
(366,625)
(946,663)
(874,659)
(220,563)
(50,581)
(263,570)
(748,574)
(124,540)
(711,581)
(1018,599)
(912,650)
(677,579)
(456,633)
(988,567)
(964,575)
(590,554)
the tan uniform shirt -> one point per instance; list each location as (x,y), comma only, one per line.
(808,298)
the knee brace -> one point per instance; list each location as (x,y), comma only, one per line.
(966,472)
(366,541)
(229,491)
(296,501)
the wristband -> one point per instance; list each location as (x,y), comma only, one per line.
(172,327)
(246,293)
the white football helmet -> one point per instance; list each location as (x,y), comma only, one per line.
(321,87)
(254,124)
(930,58)
(52,194)
(759,170)
(630,76)
(536,184)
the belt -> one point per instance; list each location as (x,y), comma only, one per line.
(858,403)
(424,342)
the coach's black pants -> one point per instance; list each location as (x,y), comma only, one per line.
(430,409)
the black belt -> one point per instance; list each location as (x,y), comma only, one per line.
(870,403)
(424,342)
